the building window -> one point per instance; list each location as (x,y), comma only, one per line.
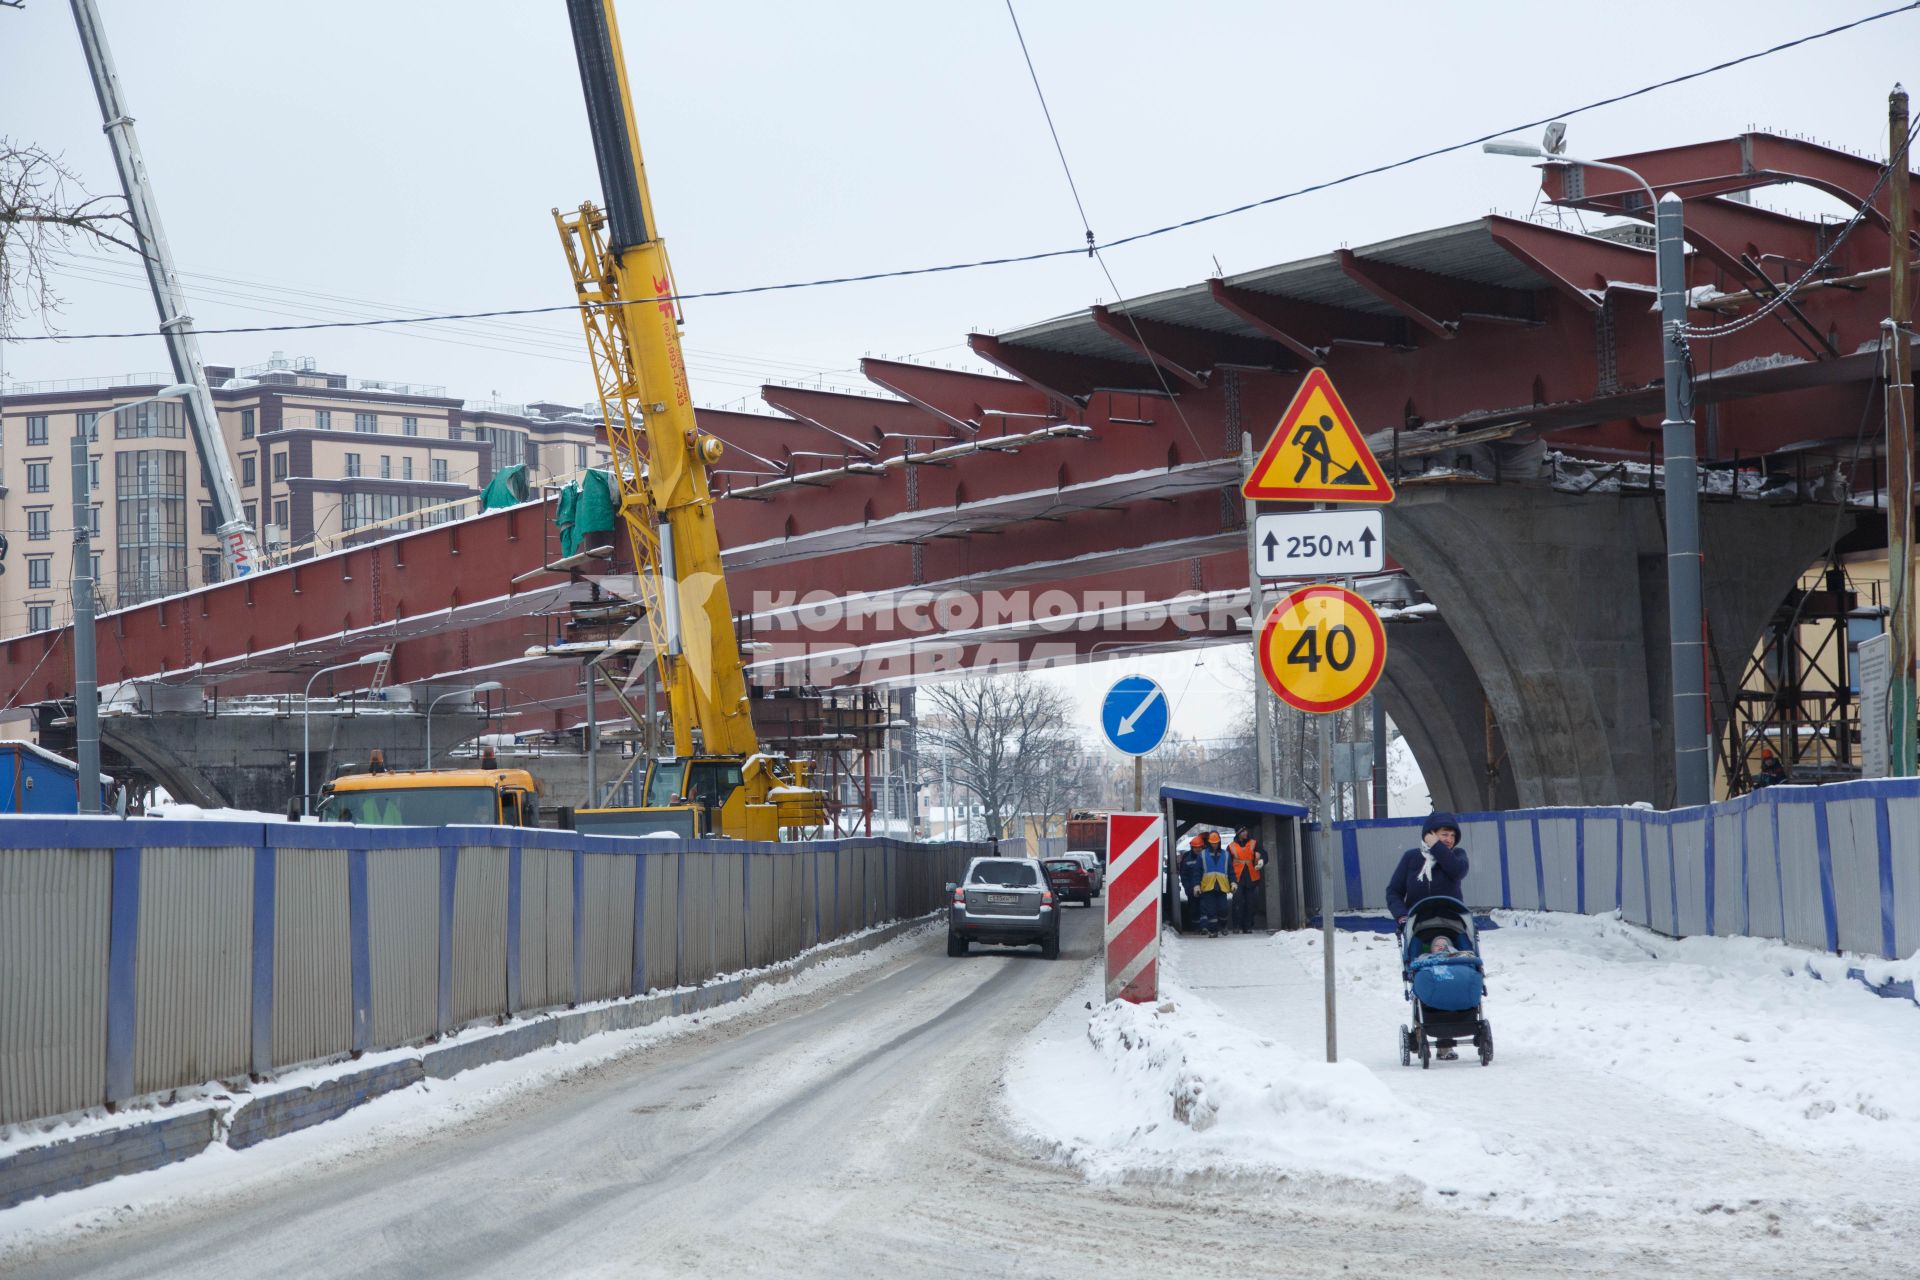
(509,447)
(150,523)
(37,428)
(90,423)
(353,465)
(279,466)
(93,565)
(409,425)
(253,515)
(39,524)
(93,472)
(209,567)
(246,424)
(93,526)
(323,419)
(207,524)
(580,456)
(248,473)
(439,470)
(386,467)
(453,431)
(39,571)
(36,477)
(159,418)
(280,512)
(406,468)
(367,424)
(39,617)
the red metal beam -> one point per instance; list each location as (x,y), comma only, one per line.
(769,446)
(869,423)
(1435,302)
(967,400)
(1189,354)
(1067,377)
(1309,329)
(1580,266)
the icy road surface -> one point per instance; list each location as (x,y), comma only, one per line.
(860,1126)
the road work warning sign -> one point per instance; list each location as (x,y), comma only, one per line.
(1316,453)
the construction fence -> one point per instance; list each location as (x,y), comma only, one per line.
(144,955)
(1835,867)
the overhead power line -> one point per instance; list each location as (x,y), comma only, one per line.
(1045,254)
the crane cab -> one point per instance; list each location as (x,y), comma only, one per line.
(705,796)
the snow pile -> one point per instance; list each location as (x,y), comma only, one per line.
(1179,1088)
(199,813)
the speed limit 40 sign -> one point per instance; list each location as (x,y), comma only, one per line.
(1322,649)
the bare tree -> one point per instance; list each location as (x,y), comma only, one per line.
(991,735)
(1059,777)
(43,209)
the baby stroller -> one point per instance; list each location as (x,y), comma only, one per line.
(1444,980)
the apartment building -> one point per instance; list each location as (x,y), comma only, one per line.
(323,460)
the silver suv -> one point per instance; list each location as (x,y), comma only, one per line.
(1005,901)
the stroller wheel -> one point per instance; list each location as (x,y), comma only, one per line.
(1406,1045)
(1483,1041)
(1425,1048)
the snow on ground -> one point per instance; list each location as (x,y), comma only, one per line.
(1634,1075)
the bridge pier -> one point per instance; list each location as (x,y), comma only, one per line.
(1557,604)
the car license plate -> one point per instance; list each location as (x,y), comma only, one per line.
(1003,899)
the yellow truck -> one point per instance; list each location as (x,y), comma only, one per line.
(433,798)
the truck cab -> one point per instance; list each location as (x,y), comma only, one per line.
(710,796)
(434,798)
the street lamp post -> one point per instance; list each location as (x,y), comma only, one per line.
(486,686)
(86,667)
(306,726)
(1686,620)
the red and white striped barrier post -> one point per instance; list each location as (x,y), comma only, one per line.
(1133,907)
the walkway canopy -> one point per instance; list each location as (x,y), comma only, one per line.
(1280,826)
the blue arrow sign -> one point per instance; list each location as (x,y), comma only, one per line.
(1134,715)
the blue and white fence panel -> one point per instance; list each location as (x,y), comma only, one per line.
(141,955)
(1834,867)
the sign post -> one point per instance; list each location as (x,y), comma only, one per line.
(1134,857)
(1322,647)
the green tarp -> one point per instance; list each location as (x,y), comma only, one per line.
(508,488)
(587,505)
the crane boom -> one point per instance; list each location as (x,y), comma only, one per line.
(660,456)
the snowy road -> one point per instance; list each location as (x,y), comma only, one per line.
(858,1127)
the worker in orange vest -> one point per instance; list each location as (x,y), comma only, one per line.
(1248,861)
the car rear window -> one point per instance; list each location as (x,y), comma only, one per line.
(1064,864)
(1012,875)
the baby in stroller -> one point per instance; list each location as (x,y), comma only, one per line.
(1444,982)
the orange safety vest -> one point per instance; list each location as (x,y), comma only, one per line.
(1246,861)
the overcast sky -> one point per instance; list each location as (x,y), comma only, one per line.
(408,152)
(340,159)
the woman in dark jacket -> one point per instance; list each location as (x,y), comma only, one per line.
(1434,870)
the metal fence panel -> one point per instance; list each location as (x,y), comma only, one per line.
(770,920)
(1635,905)
(1600,837)
(1729,872)
(1481,841)
(1766,917)
(1688,837)
(1661,885)
(557,865)
(480,933)
(533,930)
(662,931)
(193,1006)
(729,903)
(312,956)
(403,910)
(1806,922)
(1523,870)
(1377,850)
(607,959)
(1903,871)
(1853,840)
(54,915)
(1559,845)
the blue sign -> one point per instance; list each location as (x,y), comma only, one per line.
(1134,715)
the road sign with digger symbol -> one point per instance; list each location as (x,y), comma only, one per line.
(1317,453)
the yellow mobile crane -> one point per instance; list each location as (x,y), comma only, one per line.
(718,782)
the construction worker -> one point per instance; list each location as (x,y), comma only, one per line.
(1214,886)
(1248,861)
(1190,869)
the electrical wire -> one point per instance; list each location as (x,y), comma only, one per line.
(1042,255)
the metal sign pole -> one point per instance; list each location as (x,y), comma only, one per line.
(1326,875)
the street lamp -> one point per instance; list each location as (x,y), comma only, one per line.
(306,726)
(86,667)
(486,686)
(1686,626)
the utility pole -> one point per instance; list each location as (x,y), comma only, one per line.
(86,692)
(1379,755)
(237,541)
(1900,441)
(1256,613)
(1692,750)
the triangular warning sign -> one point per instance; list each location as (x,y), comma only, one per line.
(1317,453)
